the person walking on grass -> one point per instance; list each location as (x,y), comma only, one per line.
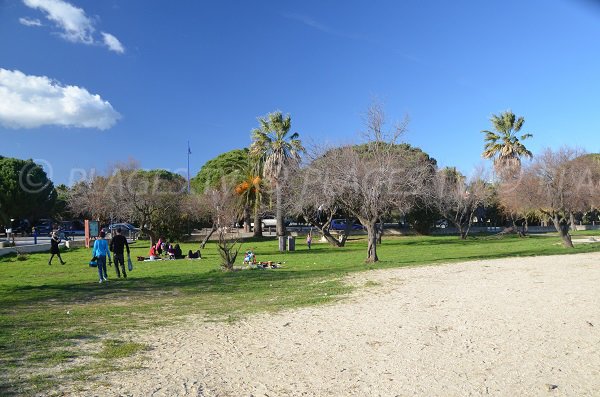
(309,239)
(54,249)
(100,252)
(117,246)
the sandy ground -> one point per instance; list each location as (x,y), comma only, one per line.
(510,327)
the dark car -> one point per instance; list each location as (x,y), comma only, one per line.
(68,229)
(21,227)
(127,229)
(44,227)
(340,224)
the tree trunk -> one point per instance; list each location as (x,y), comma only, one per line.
(562,227)
(280,226)
(257,222)
(228,250)
(572,221)
(205,240)
(247,218)
(328,236)
(153,236)
(372,243)
(462,234)
(523,228)
(469,224)
(316,220)
(332,240)
(379,233)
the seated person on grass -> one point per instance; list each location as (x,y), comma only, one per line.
(194,255)
(250,258)
(171,251)
(153,254)
(177,251)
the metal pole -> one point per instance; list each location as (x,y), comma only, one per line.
(188,168)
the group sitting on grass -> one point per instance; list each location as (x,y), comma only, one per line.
(250,260)
(165,250)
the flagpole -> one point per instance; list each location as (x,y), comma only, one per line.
(188,170)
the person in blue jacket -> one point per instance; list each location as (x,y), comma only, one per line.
(101,251)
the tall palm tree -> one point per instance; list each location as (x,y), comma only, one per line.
(270,141)
(503,145)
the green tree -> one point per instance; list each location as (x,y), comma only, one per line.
(272,143)
(503,145)
(61,209)
(25,190)
(214,170)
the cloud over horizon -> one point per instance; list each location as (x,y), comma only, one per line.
(73,22)
(35,101)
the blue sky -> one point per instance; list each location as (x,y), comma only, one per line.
(148,76)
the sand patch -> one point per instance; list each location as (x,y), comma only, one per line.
(519,326)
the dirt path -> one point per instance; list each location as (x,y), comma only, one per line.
(522,326)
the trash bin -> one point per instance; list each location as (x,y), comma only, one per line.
(282,244)
(291,242)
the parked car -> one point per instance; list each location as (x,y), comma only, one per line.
(340,224)
(21,227)
(127,229)
(441,224)
(270,221)
(68,229)
(44,227)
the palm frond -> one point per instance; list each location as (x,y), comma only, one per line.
(519,124)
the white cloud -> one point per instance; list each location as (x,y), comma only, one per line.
(35,101)
(74,24)
(113,43)
(30,22)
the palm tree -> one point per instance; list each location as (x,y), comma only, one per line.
(248,187)
(270,142)
(503,145)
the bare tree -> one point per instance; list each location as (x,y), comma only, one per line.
(558,184)
(222,205)
(457,198)
(308,194)
(89,198)
(371,179)
(155,199)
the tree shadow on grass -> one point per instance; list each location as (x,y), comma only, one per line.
(215,281)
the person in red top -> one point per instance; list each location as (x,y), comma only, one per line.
(153,253)
(159,246)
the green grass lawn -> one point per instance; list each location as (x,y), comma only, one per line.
(53,318)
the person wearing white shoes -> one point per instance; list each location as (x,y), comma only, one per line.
(101,251)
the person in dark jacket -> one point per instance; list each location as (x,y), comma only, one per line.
(54,250)
(117,245)
(178,253)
